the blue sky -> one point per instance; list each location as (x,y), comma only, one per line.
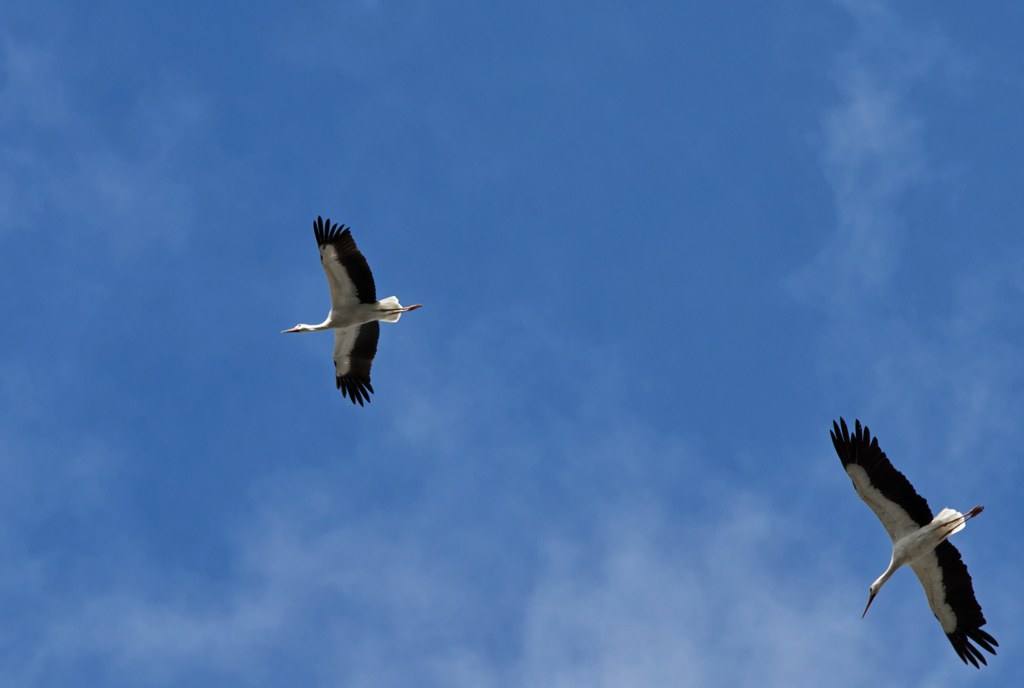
(661,248)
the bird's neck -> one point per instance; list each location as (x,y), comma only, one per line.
(893,565)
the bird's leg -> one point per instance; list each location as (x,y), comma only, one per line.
(961,521)
(973,512)
(402,310)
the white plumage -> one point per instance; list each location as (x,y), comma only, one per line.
(355,311)
(919,541)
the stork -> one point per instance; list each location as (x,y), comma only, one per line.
(355,310)
(918,540)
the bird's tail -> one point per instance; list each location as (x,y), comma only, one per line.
(949,521)
(391,308)
(953,521)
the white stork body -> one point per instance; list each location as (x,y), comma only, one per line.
(355,311)
(919,541)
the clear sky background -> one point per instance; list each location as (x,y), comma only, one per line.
(661,246)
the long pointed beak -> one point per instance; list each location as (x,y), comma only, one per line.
(872,597)
(294,329)
(412,308)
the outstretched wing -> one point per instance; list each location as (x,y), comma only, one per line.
(950,592)
(354,349)
(348,274)
(887,491)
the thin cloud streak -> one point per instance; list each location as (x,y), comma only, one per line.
(872,154)
(502,515)
(59,172)
(942,391)
(959,368)
(624,592)
(709,610)
(637,606)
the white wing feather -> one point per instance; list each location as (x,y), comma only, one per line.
(344,340)
(930,574)
(343,290)
(895,518)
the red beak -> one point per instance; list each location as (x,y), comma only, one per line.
(872,597)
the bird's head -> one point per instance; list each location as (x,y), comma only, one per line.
(297,328)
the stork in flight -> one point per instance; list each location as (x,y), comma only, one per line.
(355,310)
(918,540)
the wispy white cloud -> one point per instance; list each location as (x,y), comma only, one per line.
(636,606)
(714,611)
(943,390)
(872,154)
(638,598)
(957,370)
(641,598)
(59,170)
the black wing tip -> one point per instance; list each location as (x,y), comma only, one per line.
(840,439)
(959,593)
(349,255)
(356,390)
(861,449)
(961,638)
(984,639)
(860,432)
(847,444)
(326,233)
(843,442)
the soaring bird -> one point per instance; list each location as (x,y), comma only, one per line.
(918,540)
(355,310)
